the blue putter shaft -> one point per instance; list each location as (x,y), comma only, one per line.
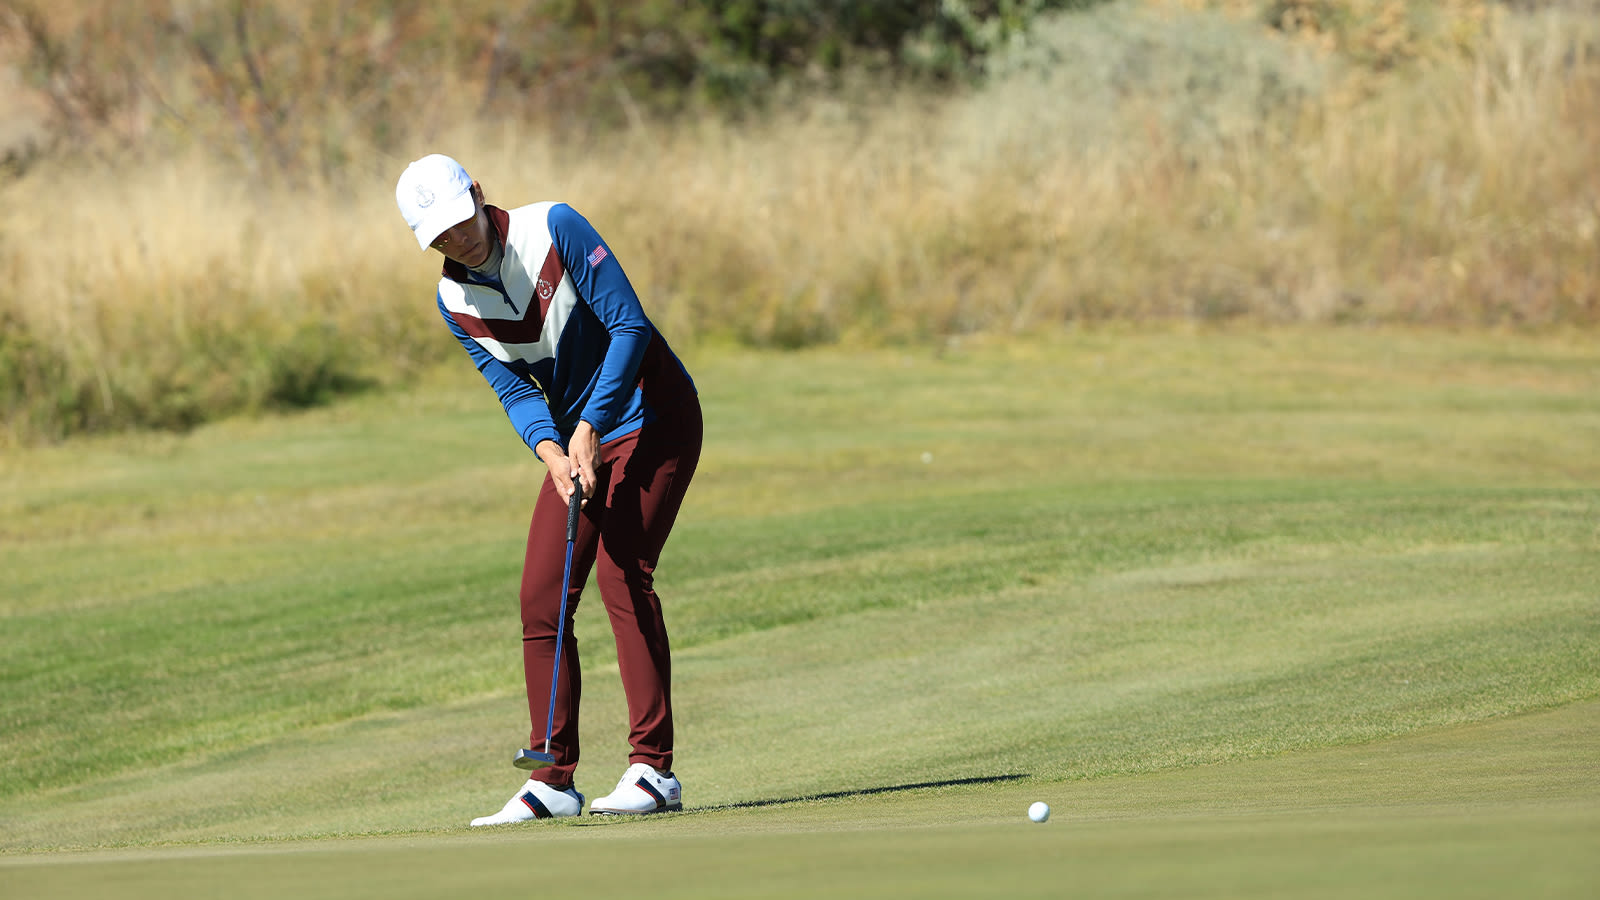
(531,759)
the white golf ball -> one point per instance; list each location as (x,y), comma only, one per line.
(1039,812)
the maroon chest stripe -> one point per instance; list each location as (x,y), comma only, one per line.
(506,331)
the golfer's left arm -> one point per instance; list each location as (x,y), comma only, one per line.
(603,285)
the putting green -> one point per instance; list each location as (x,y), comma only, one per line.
(1500,809)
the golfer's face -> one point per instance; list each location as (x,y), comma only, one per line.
(466,242)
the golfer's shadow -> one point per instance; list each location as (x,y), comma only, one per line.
(859,792)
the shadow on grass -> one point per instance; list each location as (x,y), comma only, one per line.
(859,792)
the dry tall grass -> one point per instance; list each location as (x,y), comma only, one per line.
(1130,163)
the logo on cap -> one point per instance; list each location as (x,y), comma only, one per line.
(424,197)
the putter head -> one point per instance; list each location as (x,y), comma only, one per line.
(532,759)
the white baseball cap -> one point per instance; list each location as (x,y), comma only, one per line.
(434,194)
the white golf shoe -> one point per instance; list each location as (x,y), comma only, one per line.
(535,800)
(641,790)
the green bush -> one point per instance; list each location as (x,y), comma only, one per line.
(297,91)
(37,394)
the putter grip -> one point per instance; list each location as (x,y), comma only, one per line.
(573,506)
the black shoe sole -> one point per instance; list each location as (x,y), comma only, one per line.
(676,807)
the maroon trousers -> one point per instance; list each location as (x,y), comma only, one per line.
(641,483)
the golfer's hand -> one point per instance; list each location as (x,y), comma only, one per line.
(563,470)
(583,452)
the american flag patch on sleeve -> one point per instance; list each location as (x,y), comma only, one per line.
(598,254)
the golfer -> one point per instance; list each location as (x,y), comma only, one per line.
(544,310)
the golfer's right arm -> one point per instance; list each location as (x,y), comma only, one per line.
(524,403)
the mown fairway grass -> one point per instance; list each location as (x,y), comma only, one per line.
(1265,612)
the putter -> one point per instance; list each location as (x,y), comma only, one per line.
(534,759)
